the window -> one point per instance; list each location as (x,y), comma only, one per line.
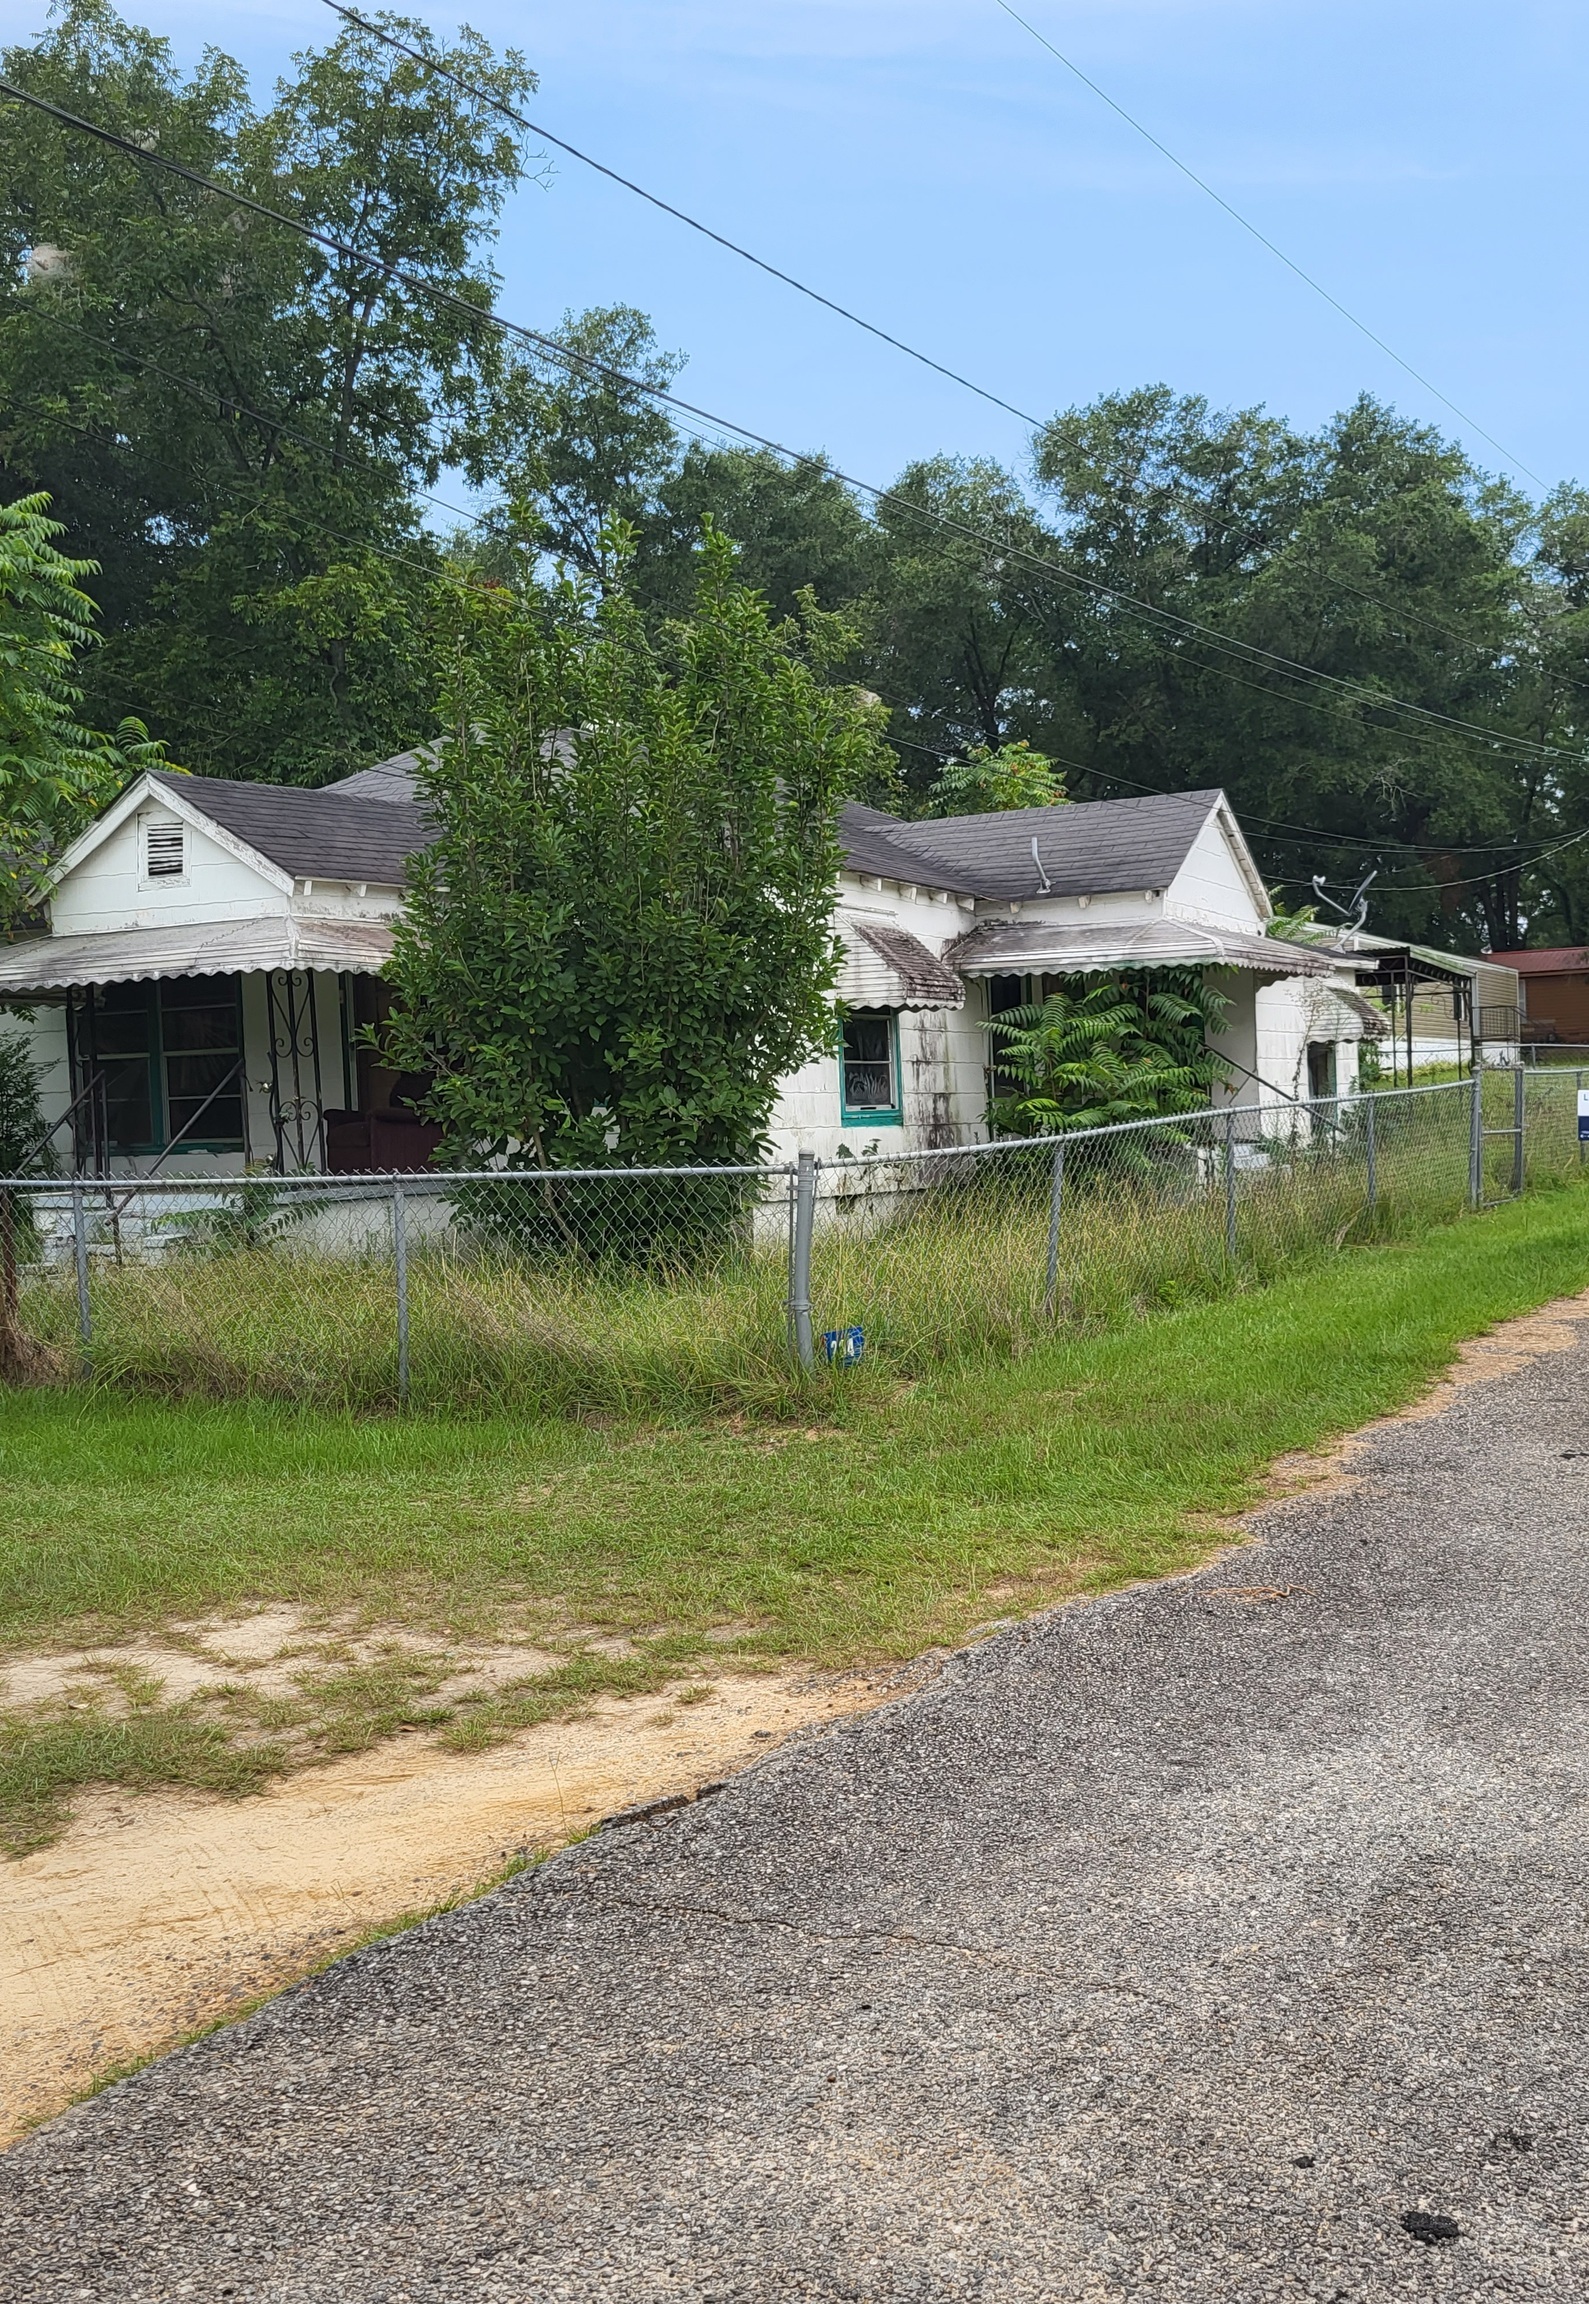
(161,1050)
(869,1069)
(164,850)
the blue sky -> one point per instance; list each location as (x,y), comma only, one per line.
(927,163)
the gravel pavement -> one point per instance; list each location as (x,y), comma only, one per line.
(1177,1945)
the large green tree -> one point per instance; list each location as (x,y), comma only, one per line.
(1374,554)
(232,421)
(622,942)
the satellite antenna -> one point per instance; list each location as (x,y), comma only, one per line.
(1355,912)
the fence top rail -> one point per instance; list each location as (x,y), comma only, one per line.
(418,1179)
(1313,1106)
(433,1180)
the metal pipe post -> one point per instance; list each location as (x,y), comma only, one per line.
(1371,1149)
(1519,1117)
(80,1253)
(400,1260)
(1056,1201)
(805,1209)
(1230,1182)
(1476,1138)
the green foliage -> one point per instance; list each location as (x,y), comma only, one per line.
(54,772)
(1012,777)
(232,422)
(576,456)
(622,940)
(1100,1049)
(1374,552)
(1298,925)
(23,1148)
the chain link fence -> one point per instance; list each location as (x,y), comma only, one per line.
(615,1289)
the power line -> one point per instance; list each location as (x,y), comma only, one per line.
(204,393)
(432,63)
(1387,839)
(229,400)
(1243,651)
(1411,888)
(438,571)
(1263,239)
(534,128)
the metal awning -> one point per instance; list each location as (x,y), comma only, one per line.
(887,967)
(1039,948)
(220,948)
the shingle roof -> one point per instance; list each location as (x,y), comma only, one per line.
(923,980)
(329,835)
(368,827)
(1089,848)
(394,779)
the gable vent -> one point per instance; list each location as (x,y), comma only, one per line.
(162,849)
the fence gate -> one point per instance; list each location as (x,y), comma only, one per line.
(1485,1110)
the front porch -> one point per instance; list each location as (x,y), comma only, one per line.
(258,1071)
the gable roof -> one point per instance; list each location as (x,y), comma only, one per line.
(324,835)
(369,827)
(1086,848)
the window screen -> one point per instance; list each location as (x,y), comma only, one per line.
(868,1066)
(159,1050)
(201,1040)
(115,1040)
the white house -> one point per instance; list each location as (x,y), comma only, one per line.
(212,950)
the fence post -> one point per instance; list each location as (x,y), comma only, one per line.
(1519,1114)
(400,1261)
(805,1209)
(1371,1147)
(1056,1200)
(80,1257)
(1230,1182)
(1476,1139)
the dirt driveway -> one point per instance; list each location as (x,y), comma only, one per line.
(1227,1939)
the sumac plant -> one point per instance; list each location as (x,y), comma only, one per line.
(1097,1050)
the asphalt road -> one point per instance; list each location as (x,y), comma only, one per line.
(1176,1946)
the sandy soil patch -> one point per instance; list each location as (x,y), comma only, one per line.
(274,1651)
(158,1912)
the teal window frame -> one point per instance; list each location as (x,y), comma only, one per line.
(890,1115)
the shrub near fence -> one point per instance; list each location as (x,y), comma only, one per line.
(685,1288)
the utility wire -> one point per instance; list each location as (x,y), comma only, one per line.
(1273,824)
(204,393)
(1263,239)
(438,571)
(434,64)
(1242,651)
(229,401)
(534,128)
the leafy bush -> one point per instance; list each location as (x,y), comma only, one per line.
(1102,1049)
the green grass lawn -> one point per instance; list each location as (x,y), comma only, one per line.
(879,1523)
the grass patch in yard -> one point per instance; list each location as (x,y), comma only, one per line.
(900,1519)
